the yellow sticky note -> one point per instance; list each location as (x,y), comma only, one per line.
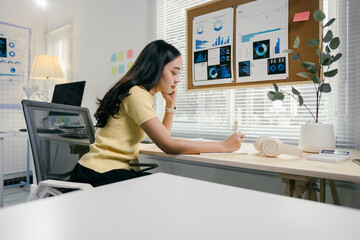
(129,65)
(120,56)
(113,70)
(60,120)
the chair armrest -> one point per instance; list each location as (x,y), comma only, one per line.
(64,184)
(51,187)
(148,166)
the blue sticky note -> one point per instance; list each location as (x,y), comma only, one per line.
(121,69)
(113,57)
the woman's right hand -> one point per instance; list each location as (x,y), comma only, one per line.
(233,142)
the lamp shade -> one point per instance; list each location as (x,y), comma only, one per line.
(46,67)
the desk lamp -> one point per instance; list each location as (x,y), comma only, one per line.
(45,67)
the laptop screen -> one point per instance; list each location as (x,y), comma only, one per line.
(69,93)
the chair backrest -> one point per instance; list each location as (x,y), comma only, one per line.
(59,135)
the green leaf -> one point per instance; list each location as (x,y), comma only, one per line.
(275,96)
(318,52)
(316,79)
(334,43)
(328,36)
(301,100)
(329,22)
(295,57)
(313,69)
(287,51)
(294,91)
(330,61)
(324,59)
(276,87)
(312,42)
(271,95)
(307,64)
(325,88)
(319,15)
(304,74)
(279,96)
(337,57)
(296,42)
(327,49)
(331,73)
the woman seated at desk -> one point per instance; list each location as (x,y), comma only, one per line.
(126,114)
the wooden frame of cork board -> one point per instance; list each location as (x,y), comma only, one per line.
(305,30)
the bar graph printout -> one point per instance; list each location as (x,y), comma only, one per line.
(261,35)
(212,47)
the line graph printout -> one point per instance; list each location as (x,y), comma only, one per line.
(212,47)
(261,35)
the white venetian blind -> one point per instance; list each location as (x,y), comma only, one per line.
(60,43)
(210,114)
(346,97)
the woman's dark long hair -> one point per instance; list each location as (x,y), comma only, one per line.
(146,71)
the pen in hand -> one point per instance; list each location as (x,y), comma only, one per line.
(236,125)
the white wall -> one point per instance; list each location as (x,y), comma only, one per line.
(100,28)
(25,13)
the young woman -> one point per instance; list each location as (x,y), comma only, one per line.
(126,114)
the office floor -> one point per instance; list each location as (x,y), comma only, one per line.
(15,195)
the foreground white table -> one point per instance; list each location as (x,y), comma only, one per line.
(164,206)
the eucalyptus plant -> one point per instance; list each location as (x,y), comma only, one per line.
(324,49)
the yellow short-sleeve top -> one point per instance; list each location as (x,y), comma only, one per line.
(119,141)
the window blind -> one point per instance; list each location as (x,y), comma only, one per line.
(211,114)
(59,43)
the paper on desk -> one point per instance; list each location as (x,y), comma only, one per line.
(238,152)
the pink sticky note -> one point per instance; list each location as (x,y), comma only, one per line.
(129,53)
(301,16)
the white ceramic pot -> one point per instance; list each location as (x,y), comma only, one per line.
(316,136)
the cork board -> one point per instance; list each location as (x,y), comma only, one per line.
(304,29)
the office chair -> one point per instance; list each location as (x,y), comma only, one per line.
(59,135)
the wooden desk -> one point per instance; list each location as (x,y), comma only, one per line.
(345,171)
(289,168)
(163,206)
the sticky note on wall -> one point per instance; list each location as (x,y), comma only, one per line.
(121,69)
(113,70)
(301,16)
(120,56)
(129,53)
(129,65)
(113,57)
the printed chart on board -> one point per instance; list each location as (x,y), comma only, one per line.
(261,35)
(12,53)
(212,47)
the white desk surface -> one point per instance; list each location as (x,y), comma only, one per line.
(163,206)
(345,171)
